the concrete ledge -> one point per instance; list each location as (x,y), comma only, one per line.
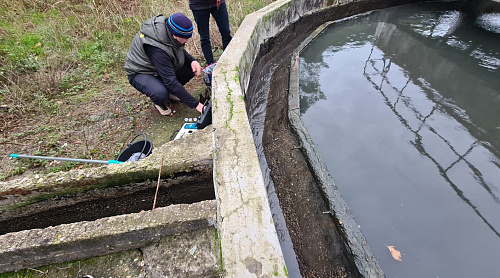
(249,242)
(62,243)
(184,155)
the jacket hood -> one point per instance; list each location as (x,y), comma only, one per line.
(156,27)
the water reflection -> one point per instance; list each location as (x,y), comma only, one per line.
(418,142)
(425,78)
(490,22)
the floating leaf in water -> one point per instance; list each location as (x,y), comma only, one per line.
(395,253)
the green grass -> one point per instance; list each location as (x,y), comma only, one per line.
(72,39)
(59,59)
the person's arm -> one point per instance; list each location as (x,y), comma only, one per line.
(188,56)
(195,66)
(165,68)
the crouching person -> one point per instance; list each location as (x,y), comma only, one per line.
(157,64)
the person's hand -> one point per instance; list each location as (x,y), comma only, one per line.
(195,66)
(200,107)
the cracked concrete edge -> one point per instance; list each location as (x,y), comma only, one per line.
(250,247)
(185,155)
(68,242)
(249,242)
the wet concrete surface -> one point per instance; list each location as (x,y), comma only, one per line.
(319,247)
(318,238)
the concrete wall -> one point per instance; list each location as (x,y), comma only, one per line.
(250,245)
(83,240)
(177,240)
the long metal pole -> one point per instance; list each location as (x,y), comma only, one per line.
(66,159)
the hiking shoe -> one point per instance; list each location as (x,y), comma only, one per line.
(174,98)
(164,111)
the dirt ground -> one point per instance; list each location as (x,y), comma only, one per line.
(319,246)
(96,126)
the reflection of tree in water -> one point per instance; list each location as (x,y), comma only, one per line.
(378,69)
(464,51)
(410,44)
(310,89)
(312,62)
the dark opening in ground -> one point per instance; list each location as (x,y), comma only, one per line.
(185,188)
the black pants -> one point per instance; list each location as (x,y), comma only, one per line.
(202,18)
(153,87)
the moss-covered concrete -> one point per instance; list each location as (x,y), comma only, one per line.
(184,155)
(84,240)
(189,254)
(122,264)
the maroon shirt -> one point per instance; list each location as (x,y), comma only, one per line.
(203,4)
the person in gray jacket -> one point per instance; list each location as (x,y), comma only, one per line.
(157,64)
(202,9)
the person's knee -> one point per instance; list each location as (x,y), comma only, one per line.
(226,37)
(158,97)
(185,74)
(205,39)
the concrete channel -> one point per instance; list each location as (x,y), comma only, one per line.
(214,217)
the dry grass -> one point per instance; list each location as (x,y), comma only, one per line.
(63,91)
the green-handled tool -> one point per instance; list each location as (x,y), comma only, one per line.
(66,159)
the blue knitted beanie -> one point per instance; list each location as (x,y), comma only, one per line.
(180,25)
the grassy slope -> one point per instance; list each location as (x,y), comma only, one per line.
(63,91)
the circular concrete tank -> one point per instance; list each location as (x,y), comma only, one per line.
(320,237)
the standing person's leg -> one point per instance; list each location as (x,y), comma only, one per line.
(222,19)
(201,17)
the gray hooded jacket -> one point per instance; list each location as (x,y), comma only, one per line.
(153,32)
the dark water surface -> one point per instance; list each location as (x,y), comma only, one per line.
(404,106)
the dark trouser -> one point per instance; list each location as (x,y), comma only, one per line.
(153,87)
(202,22)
